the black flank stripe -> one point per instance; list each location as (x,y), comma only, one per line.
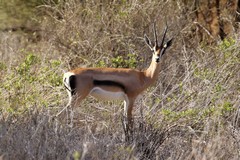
(109,83)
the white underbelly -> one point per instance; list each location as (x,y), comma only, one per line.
(102,94)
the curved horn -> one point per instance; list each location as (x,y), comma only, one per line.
(155,34)
(164,34)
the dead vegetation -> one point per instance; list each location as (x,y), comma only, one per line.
(191,113)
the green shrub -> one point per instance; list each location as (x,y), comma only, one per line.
(28,83)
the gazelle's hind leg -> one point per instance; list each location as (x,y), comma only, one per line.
(74,101)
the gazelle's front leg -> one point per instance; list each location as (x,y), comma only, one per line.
(128,107)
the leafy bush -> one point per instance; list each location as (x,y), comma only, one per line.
(28,83)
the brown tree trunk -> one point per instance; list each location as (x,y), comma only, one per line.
(238,12)
(215,18)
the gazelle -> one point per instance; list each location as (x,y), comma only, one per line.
(115,83)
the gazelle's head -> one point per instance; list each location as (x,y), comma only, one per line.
(158,50)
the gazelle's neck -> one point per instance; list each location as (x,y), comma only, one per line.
(151,73)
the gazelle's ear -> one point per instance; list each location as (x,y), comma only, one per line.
(148,42)
(168,43)
(165,46)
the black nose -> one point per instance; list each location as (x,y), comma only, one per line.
(157,60)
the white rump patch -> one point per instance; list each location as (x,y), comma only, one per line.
(66,79)
(67,85)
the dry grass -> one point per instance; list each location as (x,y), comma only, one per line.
(192,112)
